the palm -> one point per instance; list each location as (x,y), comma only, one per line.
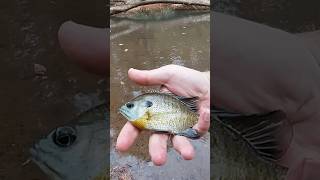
(181,81)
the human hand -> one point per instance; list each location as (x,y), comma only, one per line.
(181,81)
(87,46)
(260,69)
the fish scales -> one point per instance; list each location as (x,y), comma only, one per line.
(165,119)
(159,112)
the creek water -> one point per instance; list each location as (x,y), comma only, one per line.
(181,39)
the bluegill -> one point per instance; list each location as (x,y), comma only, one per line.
(78,150)
(163,112)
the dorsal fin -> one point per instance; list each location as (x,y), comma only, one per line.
(151,91)
(190,102)
(259,131)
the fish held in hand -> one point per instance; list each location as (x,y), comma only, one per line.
(163,112)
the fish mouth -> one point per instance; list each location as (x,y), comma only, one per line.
(124,113)
(35,151)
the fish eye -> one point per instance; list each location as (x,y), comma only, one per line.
(64,136)
(130,105)
(149,103)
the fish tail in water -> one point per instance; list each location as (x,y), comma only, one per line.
(260,131)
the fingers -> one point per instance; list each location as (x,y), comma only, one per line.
(158,148)
(127,136)
(157,144)
(88,46)
(150,77)
(183,146)
(203,124)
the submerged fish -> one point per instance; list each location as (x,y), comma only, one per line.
(77,151)
(163,112)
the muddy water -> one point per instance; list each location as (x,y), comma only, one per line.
(182,40)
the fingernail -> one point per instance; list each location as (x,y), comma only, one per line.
(131,69)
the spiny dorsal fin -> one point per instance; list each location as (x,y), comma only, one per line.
(191,103)
(259,131)
(151,91)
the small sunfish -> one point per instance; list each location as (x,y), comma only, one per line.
(77,150)
(163,112)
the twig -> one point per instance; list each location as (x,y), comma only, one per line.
(114,10)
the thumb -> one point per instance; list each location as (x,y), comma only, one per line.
(87,46)
(158,76)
